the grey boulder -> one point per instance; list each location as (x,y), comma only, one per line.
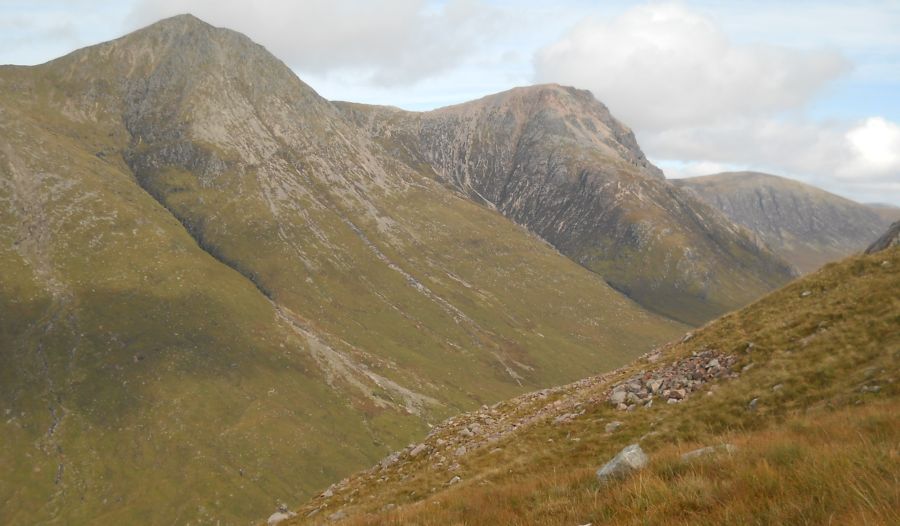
(629,460)
(279,516)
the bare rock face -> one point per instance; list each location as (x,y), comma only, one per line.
(554,160)
(805,225)
(889,239)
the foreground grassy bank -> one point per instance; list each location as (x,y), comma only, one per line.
(810,402)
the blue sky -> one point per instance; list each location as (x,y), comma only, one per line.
(809,90)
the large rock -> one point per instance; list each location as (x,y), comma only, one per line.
(279,516)
(419,449)
(629,460)
(617,397)
(891,238)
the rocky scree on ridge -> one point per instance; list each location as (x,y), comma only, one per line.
(489,426)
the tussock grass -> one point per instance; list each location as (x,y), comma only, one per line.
(821,447)
(826,467)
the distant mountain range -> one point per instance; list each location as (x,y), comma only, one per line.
(803,224)
(220,290)
(887,212)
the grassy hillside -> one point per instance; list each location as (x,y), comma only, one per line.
(134,365)
(553,159)
(807,393)
(211,283)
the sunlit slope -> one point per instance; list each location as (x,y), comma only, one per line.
(218,295)
(796,395)
(134,365)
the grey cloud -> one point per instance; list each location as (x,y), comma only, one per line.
(396,41)
(662,65)
(698,101)
(826,154)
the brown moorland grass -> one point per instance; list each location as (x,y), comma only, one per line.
(837,467)
(821,358)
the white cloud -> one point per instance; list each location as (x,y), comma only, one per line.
(42,30)
(680,169)
(707,86)
(876,147)
(702,103)
(662,65)
(394,42)
(793,144)
(858,159)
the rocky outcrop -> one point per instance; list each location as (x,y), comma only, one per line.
(491,428)
(889,239)
(672,383)
(280,516)
(805,225)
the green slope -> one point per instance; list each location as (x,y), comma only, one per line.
(808,395)
(217,294)
(553,159)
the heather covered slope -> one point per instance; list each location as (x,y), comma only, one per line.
(218,294)
(801,386)
(124,345)
(553,159)
(805,225)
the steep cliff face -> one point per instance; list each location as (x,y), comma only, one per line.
(553,159)
(217,292)
(807,226)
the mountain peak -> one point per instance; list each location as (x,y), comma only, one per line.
(185,41)
(538,97)
(190,36)
(565,112)
(756,180)
(166,63)
(182,22)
